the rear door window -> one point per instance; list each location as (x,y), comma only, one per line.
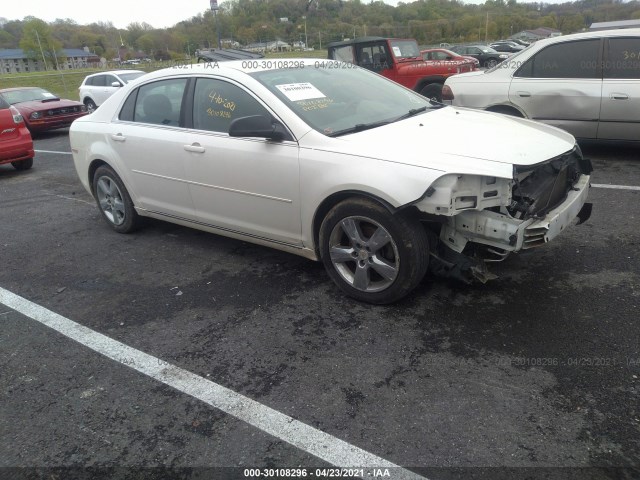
(158,103)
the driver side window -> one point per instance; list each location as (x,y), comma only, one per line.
(217,103)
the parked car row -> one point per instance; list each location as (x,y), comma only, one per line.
(486,56)
(587,84)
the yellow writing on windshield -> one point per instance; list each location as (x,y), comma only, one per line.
(315,104)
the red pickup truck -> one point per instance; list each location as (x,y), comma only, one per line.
(401,61)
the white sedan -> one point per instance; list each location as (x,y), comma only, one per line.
(332,162)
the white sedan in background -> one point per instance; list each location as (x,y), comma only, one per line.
(331,162)
(97,87)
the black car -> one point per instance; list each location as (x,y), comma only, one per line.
(509,47)
(487,56)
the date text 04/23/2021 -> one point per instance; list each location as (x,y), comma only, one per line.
(316,472)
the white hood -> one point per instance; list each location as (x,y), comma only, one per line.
(458,140)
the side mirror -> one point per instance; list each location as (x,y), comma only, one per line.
(449,57)
(256,126)
(116,84)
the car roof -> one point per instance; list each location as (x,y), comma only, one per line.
(115,72)
(233,67)
(619,32)
(362,40)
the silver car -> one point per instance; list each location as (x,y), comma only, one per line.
(587,84)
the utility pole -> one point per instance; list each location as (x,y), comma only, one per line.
(42,52)
(486,29)
(214,9)
(306,40)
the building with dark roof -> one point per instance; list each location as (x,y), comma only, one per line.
(537,34)
(14,60)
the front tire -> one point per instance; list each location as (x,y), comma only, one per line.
(114,201)
(23,164)
(492,62)
(372,255)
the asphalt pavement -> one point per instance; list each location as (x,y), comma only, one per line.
(263,368)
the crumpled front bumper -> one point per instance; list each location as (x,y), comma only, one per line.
(543,230)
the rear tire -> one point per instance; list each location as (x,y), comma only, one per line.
(433,92)
(23,164)
(372,255)
(91,105)
(114,201)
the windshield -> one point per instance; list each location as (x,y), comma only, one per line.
(334,99)
(27,95)
(487,50)
(127,77)
(404,49)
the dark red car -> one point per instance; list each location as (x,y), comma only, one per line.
(42,110)
(16,145)
(444,55)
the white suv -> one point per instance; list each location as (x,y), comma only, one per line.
(96,88)
(587,84)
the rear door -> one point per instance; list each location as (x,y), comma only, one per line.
(150,143)
(620,111)
(561,85)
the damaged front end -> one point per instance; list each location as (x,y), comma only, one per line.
(480,220)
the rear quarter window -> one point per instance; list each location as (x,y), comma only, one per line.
(623,58)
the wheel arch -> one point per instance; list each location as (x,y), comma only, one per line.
(424,81)
(508,109)
(335,198)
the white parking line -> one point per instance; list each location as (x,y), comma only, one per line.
(615,187)
(51,151)
(316,442)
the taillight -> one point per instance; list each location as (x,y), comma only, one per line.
(447,93)
(17,117)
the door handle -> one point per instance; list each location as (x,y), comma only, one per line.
(523,94)
(194,147)
(619,96)
(118,137)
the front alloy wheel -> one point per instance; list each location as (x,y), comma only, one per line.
(373,255)
(364,254)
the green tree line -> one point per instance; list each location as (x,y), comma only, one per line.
(315,21)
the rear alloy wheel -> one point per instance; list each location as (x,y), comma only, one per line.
(23,164)
(114,201)
(372,255)
(91,105)
(433,92)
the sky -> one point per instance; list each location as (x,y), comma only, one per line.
(159,14)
